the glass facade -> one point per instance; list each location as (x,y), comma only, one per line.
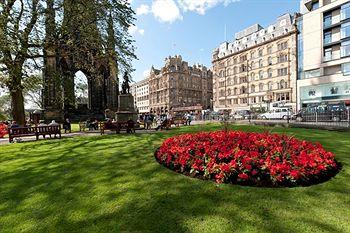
(345,49)
(327,20)
(345,11)
(300,47)
(324,92)
(345,30)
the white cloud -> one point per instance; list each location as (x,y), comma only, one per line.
(143,9)
(133,29)
(166,11)
(142,31)
(201,6)
(146,73)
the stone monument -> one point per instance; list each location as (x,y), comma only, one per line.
(126,108)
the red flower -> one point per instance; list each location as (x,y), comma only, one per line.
(243,176)
(218,155)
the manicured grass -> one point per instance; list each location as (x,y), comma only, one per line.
(113,184)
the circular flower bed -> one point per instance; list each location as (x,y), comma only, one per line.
(257,159)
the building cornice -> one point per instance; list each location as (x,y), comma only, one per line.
(256,46)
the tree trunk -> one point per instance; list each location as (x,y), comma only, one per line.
(17,100)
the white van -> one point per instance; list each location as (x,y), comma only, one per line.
(277,113)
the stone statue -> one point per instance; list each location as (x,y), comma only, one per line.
(125,84)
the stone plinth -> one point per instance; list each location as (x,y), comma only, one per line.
(126,108)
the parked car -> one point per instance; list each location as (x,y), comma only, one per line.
(322,112)
(244,115)
(277,113)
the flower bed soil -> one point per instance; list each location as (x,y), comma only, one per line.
(254,159)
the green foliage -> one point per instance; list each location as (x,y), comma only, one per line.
(112,183)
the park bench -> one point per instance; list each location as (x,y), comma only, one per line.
(54,130)
(117,127)
(34,131)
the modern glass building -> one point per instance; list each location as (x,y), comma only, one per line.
(323,52)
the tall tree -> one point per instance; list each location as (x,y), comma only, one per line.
(19,42)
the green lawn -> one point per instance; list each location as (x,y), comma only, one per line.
(113,184)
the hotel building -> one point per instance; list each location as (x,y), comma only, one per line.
(258,68)
(178,87)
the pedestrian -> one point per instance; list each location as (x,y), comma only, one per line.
(67,126)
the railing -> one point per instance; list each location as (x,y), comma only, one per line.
(336,119)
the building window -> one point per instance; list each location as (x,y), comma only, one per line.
(260,53)
(269,71)
(252,88)
(282,46)
(315,5)
(243,90)
(345,48)
(327,20)
(261,87)
(261,64)
(345,11)
(327,37)
(252,76)
(252,55)
(269,86)
(345,30)
(269,60)
(282,84)
(282,72)
(269,50)
(282,58)
(261,74)
(345,68)
(328,54)
(229,92)
(253,100)
(312,73)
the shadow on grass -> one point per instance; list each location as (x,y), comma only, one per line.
(113,184)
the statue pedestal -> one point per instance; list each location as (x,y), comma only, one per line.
(126,108)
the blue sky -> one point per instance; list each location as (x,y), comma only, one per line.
(193,28)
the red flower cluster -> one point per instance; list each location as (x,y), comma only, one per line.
(261,159)
(3,130)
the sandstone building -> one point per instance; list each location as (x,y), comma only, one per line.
(258,69)
(178,87)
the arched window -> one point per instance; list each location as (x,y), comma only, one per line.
(235,80)
(229,92)
(252,76)
(269,71)
(252,65)
(234,70)
(261,63)
(283,84)
(261,87)
(235,91)
(252,88)
(243,90)
(229,81)
(270,61)
(269,86)
(261,74)
(221,74)
(260,53)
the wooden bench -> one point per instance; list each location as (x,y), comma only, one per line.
(54,130)
(117,127)
(34,131)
